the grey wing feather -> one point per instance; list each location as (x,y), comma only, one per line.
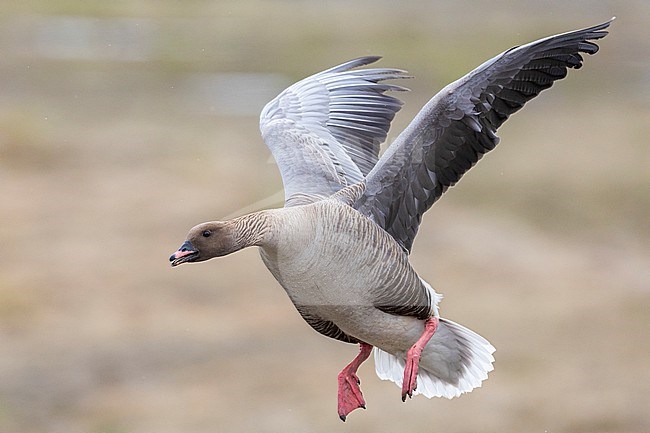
(325,131)
(458,126)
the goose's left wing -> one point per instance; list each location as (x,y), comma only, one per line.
(458,126)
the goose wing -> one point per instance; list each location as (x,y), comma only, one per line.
(325,131)
(458,126)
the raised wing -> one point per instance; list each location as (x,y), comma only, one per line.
(325,131)
(458,126)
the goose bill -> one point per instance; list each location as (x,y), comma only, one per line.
(180,257)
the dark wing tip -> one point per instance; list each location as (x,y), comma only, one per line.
(598,27)
(596,32)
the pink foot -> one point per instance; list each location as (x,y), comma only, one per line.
(409,384)
(350,396)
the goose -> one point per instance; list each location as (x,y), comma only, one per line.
(340,245)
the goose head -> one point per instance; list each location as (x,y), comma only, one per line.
(206,241)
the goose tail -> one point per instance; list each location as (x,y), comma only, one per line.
(455,361)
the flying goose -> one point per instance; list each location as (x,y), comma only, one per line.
(340,245)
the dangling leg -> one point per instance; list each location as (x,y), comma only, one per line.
(413,358)
(350,397)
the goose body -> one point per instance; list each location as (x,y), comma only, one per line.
(340,290)
(340,246)
(372,296)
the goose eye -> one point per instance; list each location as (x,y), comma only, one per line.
(206,233)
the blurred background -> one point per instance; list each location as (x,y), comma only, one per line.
(124,123)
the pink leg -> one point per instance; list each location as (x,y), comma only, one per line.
(413,358)
(350,397)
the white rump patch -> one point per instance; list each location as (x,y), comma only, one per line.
(435,297)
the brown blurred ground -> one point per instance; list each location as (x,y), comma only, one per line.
(122,124)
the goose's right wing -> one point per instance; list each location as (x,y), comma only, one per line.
(325,131)
(458,126)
